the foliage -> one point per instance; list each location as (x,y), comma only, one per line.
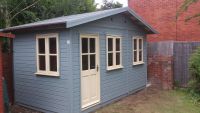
(16,12)
(192,96)
(195,97)
(110,5)
(194,67)
(184,7)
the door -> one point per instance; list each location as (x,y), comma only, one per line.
(90,79)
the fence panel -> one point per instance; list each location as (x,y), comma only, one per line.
(182,52)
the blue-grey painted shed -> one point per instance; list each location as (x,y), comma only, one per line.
(78,63)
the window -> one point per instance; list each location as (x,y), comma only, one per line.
(47,54)
(137,51)
(114,52)
(88,52)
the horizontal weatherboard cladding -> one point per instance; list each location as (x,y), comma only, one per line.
(117,82)
(62,94)
(42,92)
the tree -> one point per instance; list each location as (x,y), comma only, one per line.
(9,9)
(110,5)
(16,12)
(194,67)
(184,7)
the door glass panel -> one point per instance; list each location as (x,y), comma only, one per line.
(84,62)
(117,44)
(110,59)
(140,43)
(92,62)
(117,58)
(110,44)
(92,45)
(52,46)
(53,63)
(84,45)
(42,63)
(41,43)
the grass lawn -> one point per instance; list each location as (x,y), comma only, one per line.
(154,101)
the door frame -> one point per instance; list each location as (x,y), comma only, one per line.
(96,36)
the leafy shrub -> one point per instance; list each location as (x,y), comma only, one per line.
(194,68)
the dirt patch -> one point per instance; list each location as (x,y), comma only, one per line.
(153,100)
(20,109)
(128,104)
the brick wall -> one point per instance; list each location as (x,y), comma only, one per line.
(1,83)
(160,64)
(161,14)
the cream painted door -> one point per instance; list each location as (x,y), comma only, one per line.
(90,79)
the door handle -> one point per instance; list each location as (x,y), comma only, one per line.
(97,68)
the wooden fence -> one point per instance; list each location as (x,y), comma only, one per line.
(182,52)
(168,61)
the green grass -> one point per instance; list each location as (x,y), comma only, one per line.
(178,101)
(174,101)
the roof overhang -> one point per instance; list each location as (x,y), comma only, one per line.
(7,35)
(79,19)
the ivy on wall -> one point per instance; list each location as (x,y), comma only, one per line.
(5,45)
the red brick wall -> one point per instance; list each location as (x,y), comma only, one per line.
(1,83)
(161,14)
(160,64)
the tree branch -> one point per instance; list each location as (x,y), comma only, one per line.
(24,9)
(192,17)
(185,6)
(16,7)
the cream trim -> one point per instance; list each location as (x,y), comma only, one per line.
(114,67)
(138,63)
(138,50)
(47,72)
(96,36)
(114,37)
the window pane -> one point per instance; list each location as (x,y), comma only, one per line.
(84,45)
(140,56)
(52,46)
(117,44)
(41,44)
(42,63)
(84,62)
(92,62)
(110,59)
(110,44)
(92,45)
(117,58)
(135,44)
(53,63)
(135,56)
(140,43)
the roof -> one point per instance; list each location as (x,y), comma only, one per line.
(7,35)
(74,20)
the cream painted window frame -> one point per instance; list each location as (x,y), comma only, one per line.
(47,72)
(138,50)
(114,37)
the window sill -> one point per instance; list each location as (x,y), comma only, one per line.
(114,68)
(138,63)
(47,74)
